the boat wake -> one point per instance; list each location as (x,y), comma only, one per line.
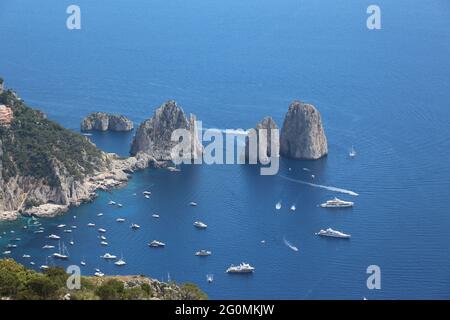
(290,245)
(340,190)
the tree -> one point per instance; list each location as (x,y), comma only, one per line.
(110,290)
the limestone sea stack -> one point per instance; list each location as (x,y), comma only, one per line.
(268,124)
(101,121)
(153,137)
(302,135)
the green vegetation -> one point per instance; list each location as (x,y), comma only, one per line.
(36,147)
(20,283)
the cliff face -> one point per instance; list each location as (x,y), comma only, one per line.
(45,168)
(302,135)
(153,137)
(100,121)
(264,145)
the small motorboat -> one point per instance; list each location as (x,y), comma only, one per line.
(155,215)
(203,253)
(54,237)
(193,204)
(108,256)
(91,224)
(156,244)
(101,230)
(135,226)
(278,205)
(104,243)
(120,220)
(200,225)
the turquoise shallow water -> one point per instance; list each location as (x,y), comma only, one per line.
(232,63)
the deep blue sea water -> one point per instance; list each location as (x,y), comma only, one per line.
(231,63)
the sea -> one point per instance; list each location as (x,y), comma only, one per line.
(386,92)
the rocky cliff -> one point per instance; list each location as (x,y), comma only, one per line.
(153,137)
(46,168)
(302,135)
(100,121)
(264,145)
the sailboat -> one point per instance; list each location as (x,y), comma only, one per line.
(83,263)
(210,277)
(62,252)
(278,205)
(120,262)
(293,207)
(352,153)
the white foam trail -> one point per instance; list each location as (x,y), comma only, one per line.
(290,245)
(349,192)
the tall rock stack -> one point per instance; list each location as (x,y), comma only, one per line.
(153,137)
(302,135)
(252,155)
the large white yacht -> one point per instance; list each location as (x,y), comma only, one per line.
(54,237)
(108,256)
(242,268)
(337,203)
(156,244)
(62,253)
(333,233)
(200,225)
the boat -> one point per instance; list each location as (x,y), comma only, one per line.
(104,243)
(352,152)
(74,227)
(61,226)
(147,193)
(156,244)
(337,203)
(293,207)
(210,277)
(108,256)
(155,215)
(62,252)
(120,205)
(100,214)
(278,205)
(68,230)
(200,225)
(11,246)
(47,246)
(99,274)
(101,230)
(112,203)
(120,220)
(54,237)
(16,239)
(147,196)
(193,204)
(83,263)
(242,268)
(173,169)
(32,263)
(135,226)
(39,231)
(6,252)
(26,256)
(263,241)
(121,262)
(44,267)
(91,224)
(333,233)
(313,176)
(306,169)
(203,253)
(71,242)
(102,238)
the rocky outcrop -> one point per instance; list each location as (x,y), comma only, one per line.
(153,137)
(100,121)
(302,135)
(265,145)
(1,85)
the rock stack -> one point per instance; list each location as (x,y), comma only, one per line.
(100,121)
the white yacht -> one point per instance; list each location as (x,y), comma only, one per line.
(193,204)
(6,252)
(120,205)
(68,230)
(90,224)
(74,227)
(147,193)
(32,263)
(203,253)
(242,268)
(103,238)
(47,246)
(101,230)
(39,231)
(62,252)
(120,220)
(333,233)
(108,256)
(200,225)
(147,196)
(83,263)
(278,205)
(156,244)
(112,203)
(100,214)
(121,262)
(155,215)
(99,274)
(210,277)
(293,208)
(104,243)
(337,203)
(135,226)
(26,256)
(11,246)
(173,169)
(71,242)
(44,267)
(352,152)
(61,226)
(16,239)
(54,237)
